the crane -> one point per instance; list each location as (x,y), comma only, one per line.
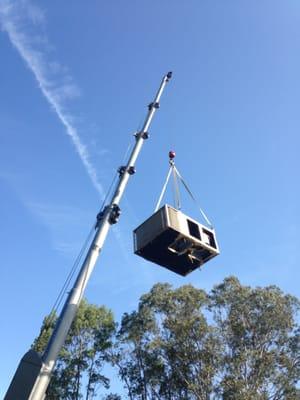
(33,374)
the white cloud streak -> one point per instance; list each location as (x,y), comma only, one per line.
(24,23)
(19,19)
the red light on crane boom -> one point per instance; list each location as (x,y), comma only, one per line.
(172,154)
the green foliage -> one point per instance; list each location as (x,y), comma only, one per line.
(235,343)
(249,349)
(166,349)
(260,340)
(78,373)
(41,341)
(112,396)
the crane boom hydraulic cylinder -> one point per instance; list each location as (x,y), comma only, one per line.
(34,372)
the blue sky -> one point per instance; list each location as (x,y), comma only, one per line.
(75,82)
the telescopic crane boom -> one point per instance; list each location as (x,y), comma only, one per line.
(34,372)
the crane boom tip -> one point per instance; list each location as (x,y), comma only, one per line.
(169,75)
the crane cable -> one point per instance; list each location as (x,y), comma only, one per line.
(176,192)
(66,284)
(70,276)
(79,257)
(163,189)
(59,299)
(193,198)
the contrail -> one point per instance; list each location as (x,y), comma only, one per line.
(51,77)
(55,89)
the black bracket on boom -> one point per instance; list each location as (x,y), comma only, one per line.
(113,217)
(121,170)
(143,135)
(114,214)
(169,76)
(100,216)
(131,170)
(153,105)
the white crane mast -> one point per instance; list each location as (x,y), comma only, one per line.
(34,387)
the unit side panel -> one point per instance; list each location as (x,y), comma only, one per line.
(192,230)
(152,227)
(174,218)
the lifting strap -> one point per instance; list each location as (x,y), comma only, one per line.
(176,175)
(163,189)
(192,196)
(177,201)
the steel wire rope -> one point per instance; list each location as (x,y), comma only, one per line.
(63,290)
(175,188)
(66,284)
(109,191)
(163,189)
(84,279)
(193,197)
(129,147)
(130,144)
(176,192)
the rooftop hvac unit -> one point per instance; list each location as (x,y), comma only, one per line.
(175,241)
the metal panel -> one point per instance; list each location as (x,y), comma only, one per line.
(25,377)
(174,218)
(175,241)
(149,229)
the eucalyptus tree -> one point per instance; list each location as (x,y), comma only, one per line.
(166,349)
(261,341)
(235,343)
(78,372)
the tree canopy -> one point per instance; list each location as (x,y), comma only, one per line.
(234,343)
(78,371)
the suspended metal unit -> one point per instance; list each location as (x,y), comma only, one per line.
(175,241)
(172,239)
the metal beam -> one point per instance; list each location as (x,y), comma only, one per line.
(108,216)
